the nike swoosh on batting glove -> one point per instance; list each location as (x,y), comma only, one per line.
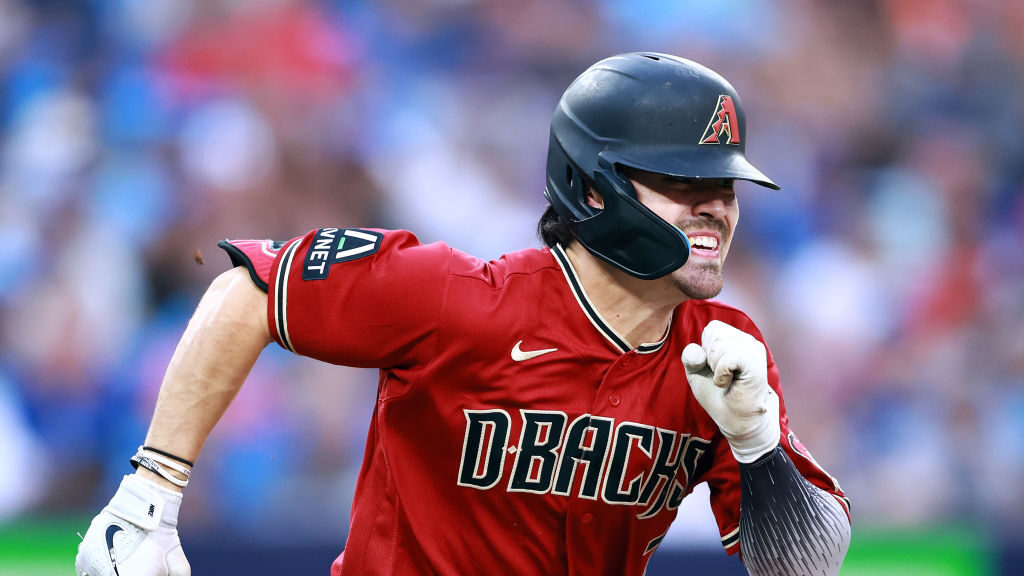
(136,534)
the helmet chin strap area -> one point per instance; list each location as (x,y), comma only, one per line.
(626,234)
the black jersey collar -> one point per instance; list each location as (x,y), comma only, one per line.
(593,315)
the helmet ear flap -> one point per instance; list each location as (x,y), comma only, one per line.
(626,234)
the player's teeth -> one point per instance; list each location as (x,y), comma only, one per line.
(708,242)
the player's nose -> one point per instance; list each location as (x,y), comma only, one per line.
(710,205)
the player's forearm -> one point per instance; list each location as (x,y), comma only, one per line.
(213,358)
(788,526)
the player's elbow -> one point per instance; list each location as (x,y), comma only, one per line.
(788,525)
(844,531)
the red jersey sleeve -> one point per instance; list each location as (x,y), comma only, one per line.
(723,477)
(358,297)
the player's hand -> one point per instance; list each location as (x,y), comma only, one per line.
(728,373)
(135,535)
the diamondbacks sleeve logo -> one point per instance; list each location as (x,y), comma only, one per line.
(724,122)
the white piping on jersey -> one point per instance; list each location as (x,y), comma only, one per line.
(281,295)
(731,539)
(265,248)
(606,330)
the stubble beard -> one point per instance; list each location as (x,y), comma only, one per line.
(699,281)
(699,278)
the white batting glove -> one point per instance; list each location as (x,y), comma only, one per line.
(135,535)
(728,373)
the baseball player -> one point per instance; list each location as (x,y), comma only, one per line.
(545,413)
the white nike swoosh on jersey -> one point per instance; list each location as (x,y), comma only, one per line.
(519,355)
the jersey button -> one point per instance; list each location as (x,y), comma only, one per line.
(614,399)
(587,518)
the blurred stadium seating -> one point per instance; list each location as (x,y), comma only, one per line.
(888,275)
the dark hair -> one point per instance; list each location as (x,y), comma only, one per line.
(553,230)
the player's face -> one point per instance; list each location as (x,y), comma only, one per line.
(707,212)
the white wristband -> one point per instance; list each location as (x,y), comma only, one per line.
(156,463)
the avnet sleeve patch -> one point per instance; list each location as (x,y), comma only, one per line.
(336,245)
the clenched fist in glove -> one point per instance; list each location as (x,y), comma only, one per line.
(135,535)
(728,373)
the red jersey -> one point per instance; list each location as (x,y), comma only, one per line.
(515,432)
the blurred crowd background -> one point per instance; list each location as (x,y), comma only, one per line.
(887,275)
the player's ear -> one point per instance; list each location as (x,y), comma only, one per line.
(594,199)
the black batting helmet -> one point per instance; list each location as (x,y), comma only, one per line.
(649,111)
